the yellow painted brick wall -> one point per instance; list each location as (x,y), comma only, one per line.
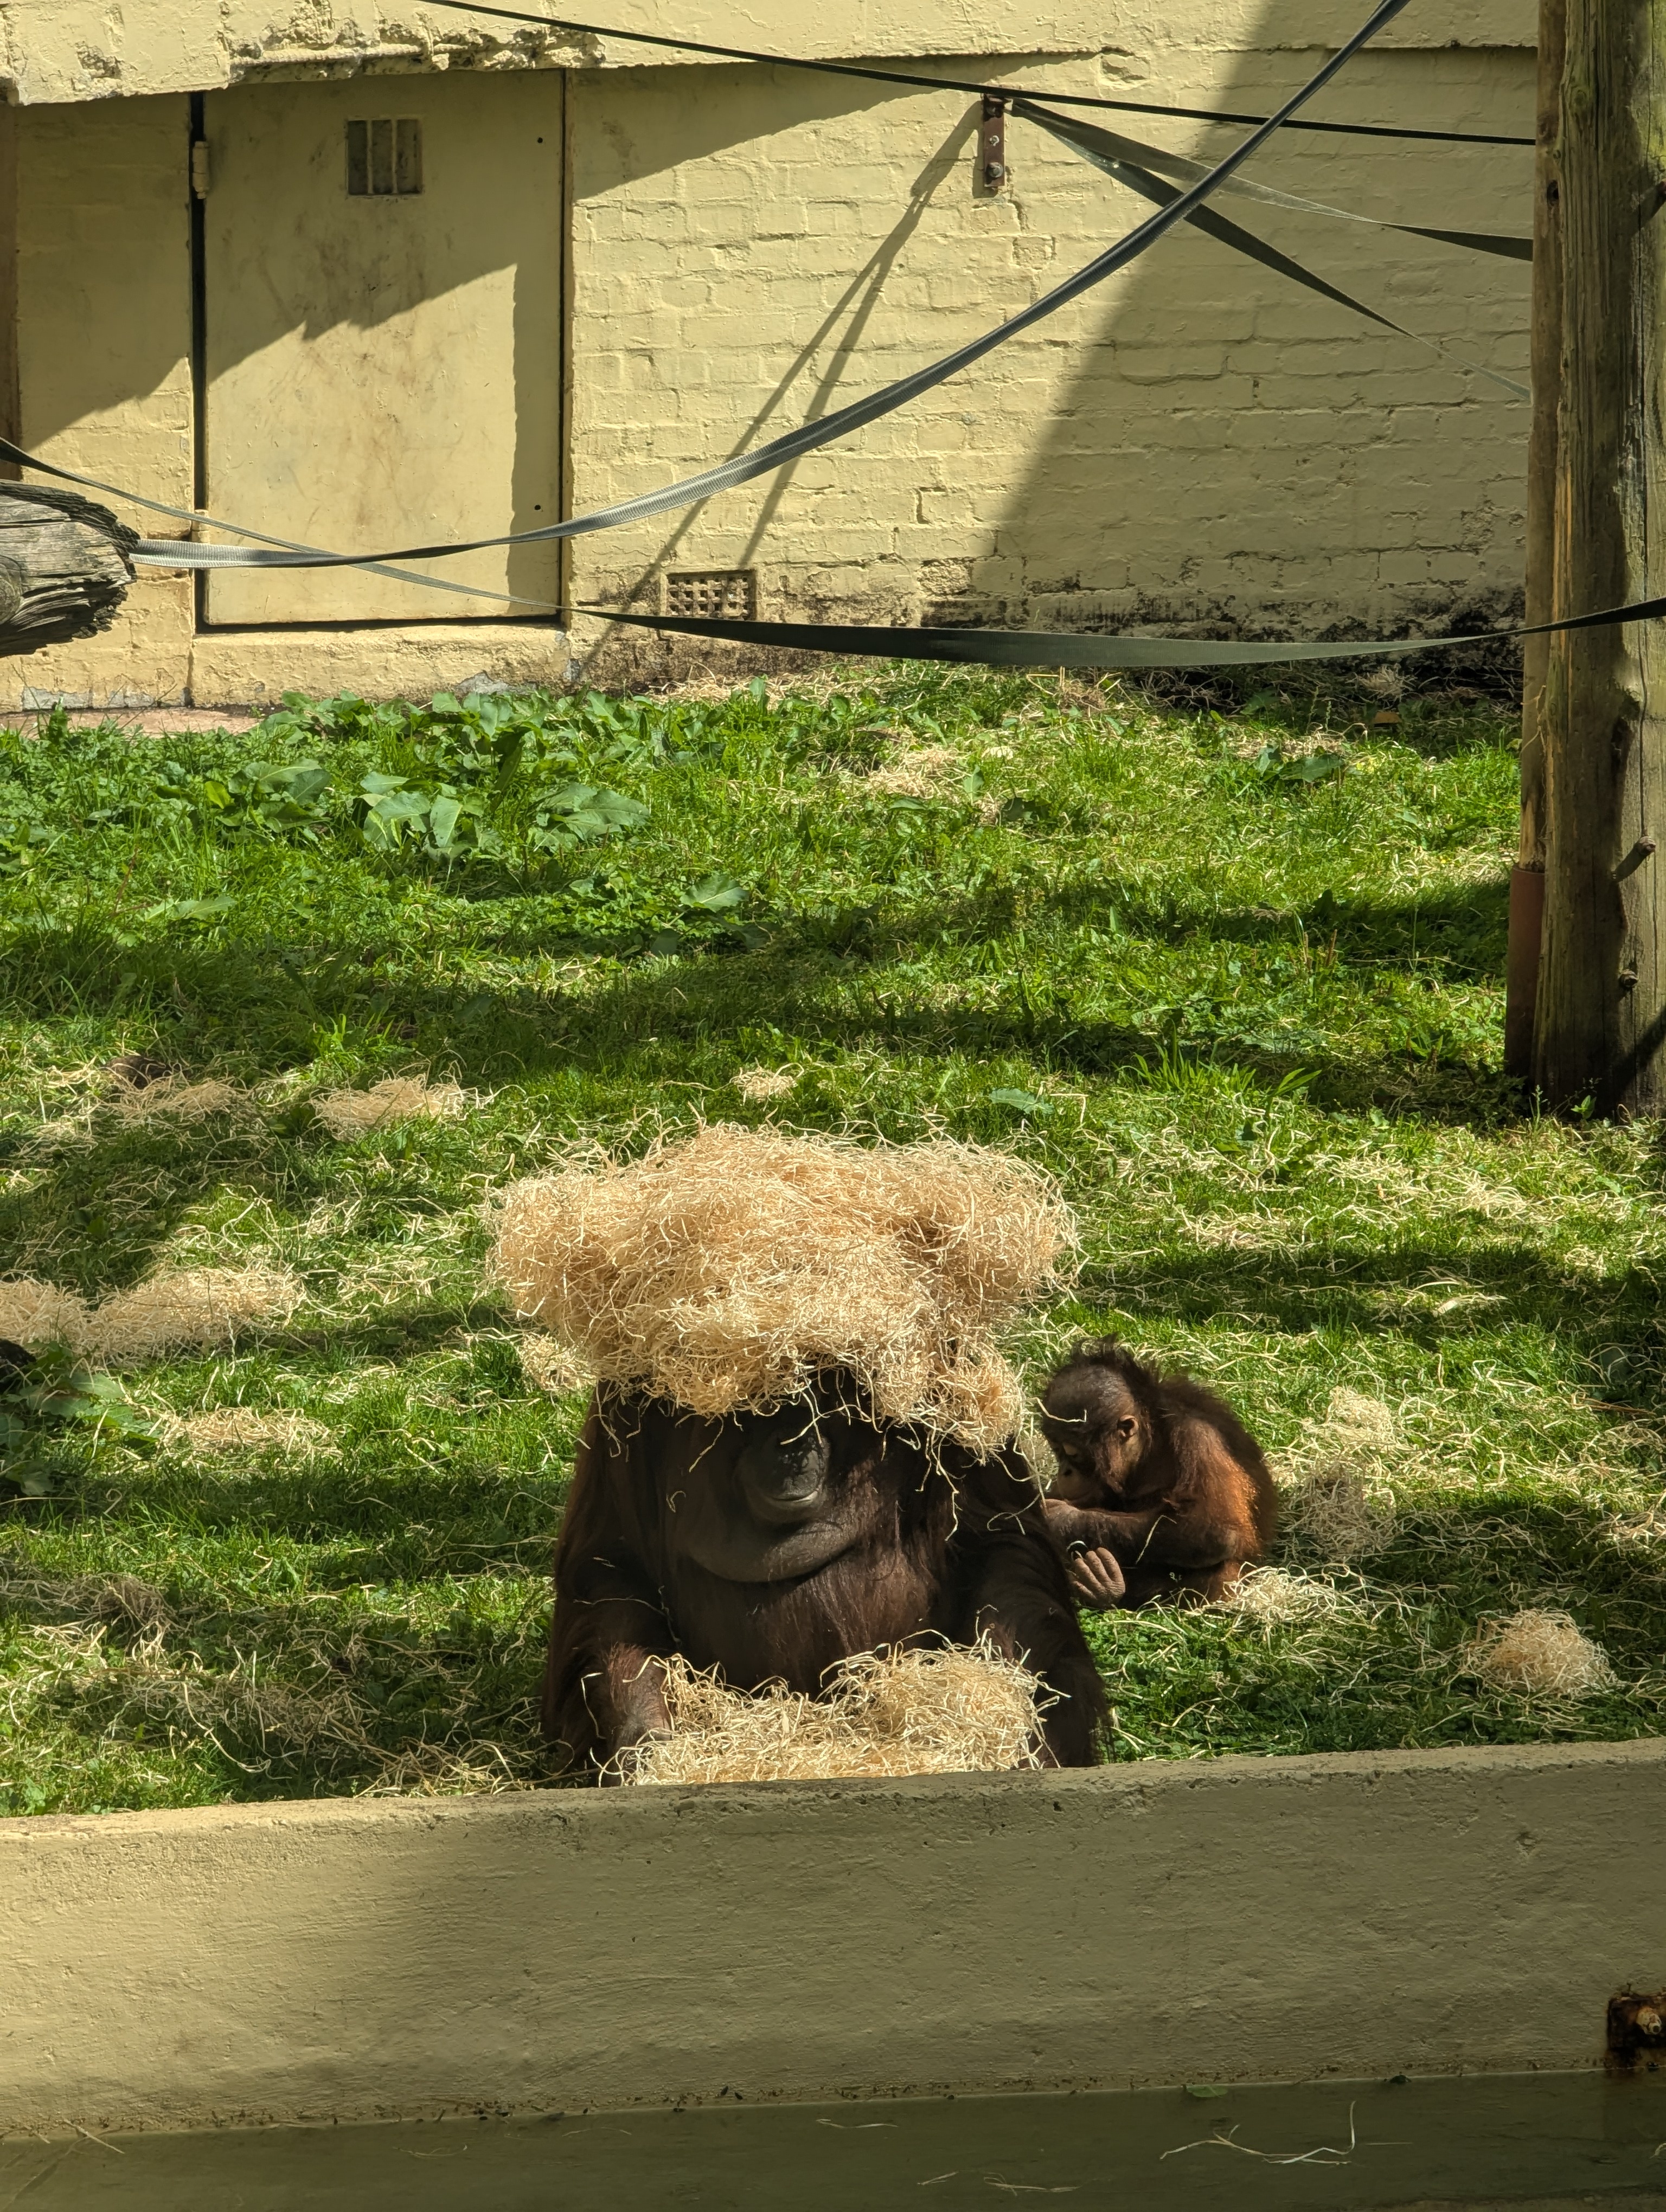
(1196,443)
(103,333)
(63,50)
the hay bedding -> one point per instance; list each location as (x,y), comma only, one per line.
(229,1429)
(1539,1652)
(920,773)
(1273,1597)
(173,1098)
(179,1308)
(726,1270)
(759,1085)
(1341,1505)
(350,1113)
(949,1711)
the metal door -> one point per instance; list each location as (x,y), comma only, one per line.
(381,290)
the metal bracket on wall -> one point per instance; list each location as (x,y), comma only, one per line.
(992,145)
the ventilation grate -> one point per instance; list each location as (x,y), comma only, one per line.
(720,594)
(384,157)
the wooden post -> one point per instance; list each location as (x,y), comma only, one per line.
(1601,1009)
(63,567)
(1527,878)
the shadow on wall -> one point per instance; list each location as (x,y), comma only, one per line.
(657,122)
(1229,450)
(816,382)
(1199,442)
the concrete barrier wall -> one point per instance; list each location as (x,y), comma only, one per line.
(1240,1920)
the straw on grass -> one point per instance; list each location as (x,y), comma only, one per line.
(1273,1597)
(1341,1506)
(1538,1652)
(726,1270)
(949,1710)
(1638,1531)
(551,1365)
(180,1306)
(349,1114)
(35,1314)
(186,1306)
(291,1697)
(920,773)
(173,1098)
(245,1429)
(756,1084)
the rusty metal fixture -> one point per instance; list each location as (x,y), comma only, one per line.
(992,145)
(1637,2032)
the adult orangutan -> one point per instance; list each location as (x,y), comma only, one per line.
(774,1545)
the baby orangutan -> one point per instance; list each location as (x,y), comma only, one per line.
(1161,1491)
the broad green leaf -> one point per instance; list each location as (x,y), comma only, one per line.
(443,818)
(1022,1101)
(715,894)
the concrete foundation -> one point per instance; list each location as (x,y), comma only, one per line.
(1235,1921)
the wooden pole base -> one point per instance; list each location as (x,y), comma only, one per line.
(1521,977)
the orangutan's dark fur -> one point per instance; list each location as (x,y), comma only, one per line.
(1157,1470)
(861,1539)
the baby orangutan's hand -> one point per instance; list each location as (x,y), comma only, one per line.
(1096,1580)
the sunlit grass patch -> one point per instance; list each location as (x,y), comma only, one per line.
(298,1006)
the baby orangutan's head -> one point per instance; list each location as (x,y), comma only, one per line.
(1097,1414)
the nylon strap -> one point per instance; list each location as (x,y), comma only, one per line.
(1090,139)
(1085,138)
(166,552)
(955,84)
(763,460)
(1029,648)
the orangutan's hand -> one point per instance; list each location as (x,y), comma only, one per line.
(1096,1580)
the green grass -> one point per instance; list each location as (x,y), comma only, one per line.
(1230,972)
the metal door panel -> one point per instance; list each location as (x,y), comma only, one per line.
(382,299)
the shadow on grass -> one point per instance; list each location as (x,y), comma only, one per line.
(86,969)
(298,1698)
(1615,1328)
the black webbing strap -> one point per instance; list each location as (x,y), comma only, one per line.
(1104,147)
(763,460)
(1027,648)
(150,550)
(1086,138)
(954,83)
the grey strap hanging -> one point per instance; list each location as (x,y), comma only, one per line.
(1218,226)
(1090,138)
(1028,648)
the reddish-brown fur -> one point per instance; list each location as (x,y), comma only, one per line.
(1155,1471)
(670,1514)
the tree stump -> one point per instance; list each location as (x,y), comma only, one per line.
(64,568)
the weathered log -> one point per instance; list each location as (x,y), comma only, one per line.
(65,567)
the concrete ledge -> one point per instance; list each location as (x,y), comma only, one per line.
(255,667)
(1238,1920)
